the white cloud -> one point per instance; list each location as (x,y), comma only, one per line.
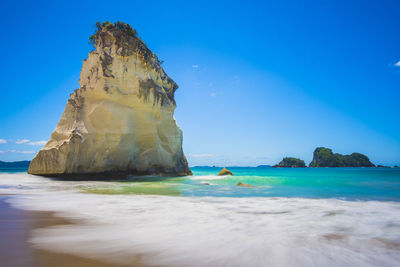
(195,66)
(3,141)
(17,151)
(213,94)
(37,143)
(397,64)
(29,142)
(22,141)
(202,155)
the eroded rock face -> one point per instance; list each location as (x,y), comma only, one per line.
(120,120)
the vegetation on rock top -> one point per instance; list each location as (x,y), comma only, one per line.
(289,162)
(128,36)
(324,157)
(108,25)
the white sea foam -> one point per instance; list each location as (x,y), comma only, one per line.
(212,231)
(207,177)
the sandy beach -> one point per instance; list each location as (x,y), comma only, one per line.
(49,222)
(16,226)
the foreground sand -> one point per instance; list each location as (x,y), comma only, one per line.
(15,250)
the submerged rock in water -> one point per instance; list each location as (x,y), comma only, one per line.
(225,171)
(244,185)
(121,119)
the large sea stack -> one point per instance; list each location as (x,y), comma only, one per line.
(121,119)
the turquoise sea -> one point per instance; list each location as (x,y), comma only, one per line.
(291,217)
(341,183)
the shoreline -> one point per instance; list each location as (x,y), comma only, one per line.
(223,224)
(16,227)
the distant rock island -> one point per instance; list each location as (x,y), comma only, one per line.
(324,157)
(289,162)
(14,164)
(121,119)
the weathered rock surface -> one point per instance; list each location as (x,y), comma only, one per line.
(225,171)
(121,119)
(324,157)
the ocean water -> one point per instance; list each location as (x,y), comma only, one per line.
(291,217)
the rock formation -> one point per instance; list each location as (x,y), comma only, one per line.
(244,185)
(121,119)
(225,171)
(291,163)
(323,157)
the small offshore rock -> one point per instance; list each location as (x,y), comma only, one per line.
(289,162)
(225,171)
(382,166)
(244,185)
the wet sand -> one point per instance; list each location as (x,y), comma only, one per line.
(16,251)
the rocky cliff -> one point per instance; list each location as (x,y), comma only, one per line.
(324,157)
(121,119)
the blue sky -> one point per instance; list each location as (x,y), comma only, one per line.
(258,80)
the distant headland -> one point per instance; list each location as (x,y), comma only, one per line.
(14,164)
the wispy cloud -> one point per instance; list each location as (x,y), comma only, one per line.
(397,64)
(202,155)
(3,141)
(195,66)
(213,94)
(37,143)
(17,151)
(31,143)
(22,141)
